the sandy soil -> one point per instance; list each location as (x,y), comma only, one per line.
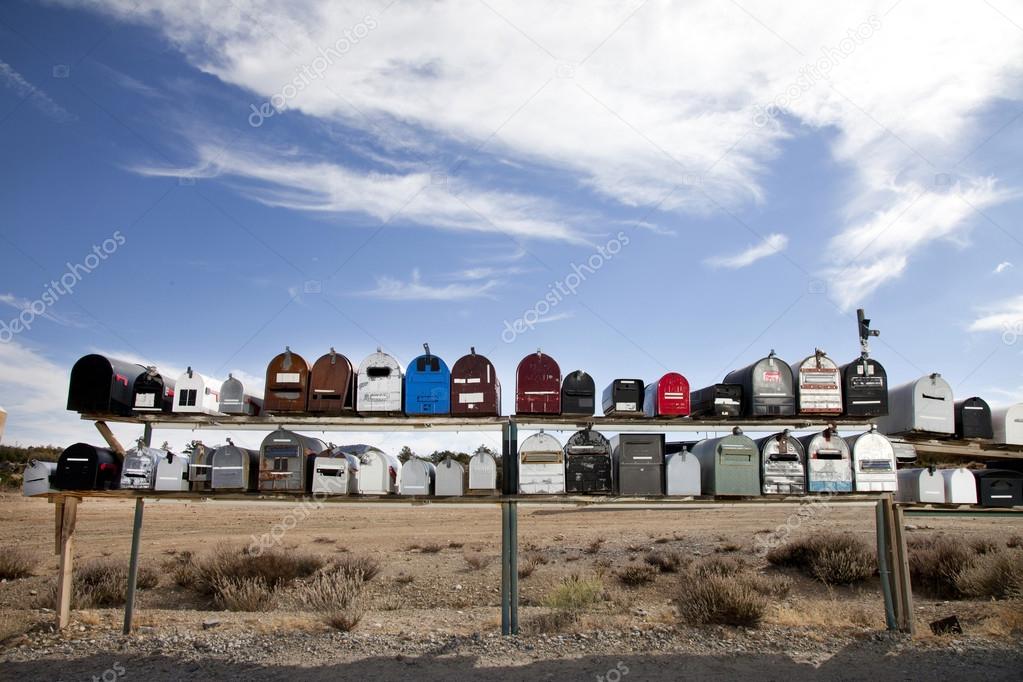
(443,623)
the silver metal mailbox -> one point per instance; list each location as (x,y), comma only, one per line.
(483,472)
(782,464)
(36,480)
(139,469)
(873,461)
(452,478)
(921,485)
(922,405)
(234,468)
(818,384)
(380,385)
(1007,424)
(828,462)
(379,471)
(681,471)
(172,472)
(335,473)
(541,465)
(418,477)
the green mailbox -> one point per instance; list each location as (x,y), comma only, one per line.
(729,465)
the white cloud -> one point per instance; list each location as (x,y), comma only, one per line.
(771,244)
(22,304)
(1003,316)
(1002,267)
(391,289)
(39,99)
(597,93)
(556,317)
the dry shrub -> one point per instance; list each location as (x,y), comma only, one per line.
(935,564)
(595,546)
(984,545)
(776,586)
(721,566)
(16,563)
(431,548)
(477,561)
(575,593)
(337,596)
(826,613)
(635,575)
(667,561)
(15,623)
(728,547)
(1006,619)
(527,567)
(244,594)
(405,579)
(555,621)
(1014,542)
(456,545)
(719,600)
(833,559)
(662,541)
(994,574)
(102,584)
(364,566)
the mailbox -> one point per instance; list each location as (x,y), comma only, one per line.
(483,472)
(378,470)
(332,385)
(172,472)
(999,487)
(926,486)
(37,479)
(380,385)
(681,470)
(818,383)
(921,405)
(234,400)
(283,460)
(873,462)
(139,469)
(719,400)
(102,385)
(624,397)
(960,486)
(427,385)
(783,464)
(234,468)
(452,478)
(153,392)
(538,385)
(1007,423)
(200,466)
(578,394)
(588,463)
(767,388)
(864,388)
(335,473)
(541,464)
(973,419)
(729,465)
(85,467)
(639,463)
(417,477)
(475,389)
(287,383)
(828,462)
(667,397)
(195,393)
(905,453)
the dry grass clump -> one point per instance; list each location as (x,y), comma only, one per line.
(595,545)
(575,593)
(102,584)
(431,548)
(719,600)
(242,594)
(405,579)
(951,568)
(1005,620)
(720,566)
(994,575)
(529,566)
(554,621)
(336,595)
(364,566)
(833,559)
(635,575)
(477,561)
(935,564)
(667,561)
(16,563)
(826,613)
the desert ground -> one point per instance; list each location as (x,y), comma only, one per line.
(433,612)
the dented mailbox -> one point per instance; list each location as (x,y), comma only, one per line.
(667,397)
(767,387)
(335,473)
(380,385)
(287,383)
(828,462)
(541,465)
(283,460)
(37,479)
(139,469)
(427,385)
(332,385)
(475,388)
(578,394)
(783,464)
(818,383)
(588,463)
(538,385)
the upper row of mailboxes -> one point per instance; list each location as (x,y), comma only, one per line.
(768,387)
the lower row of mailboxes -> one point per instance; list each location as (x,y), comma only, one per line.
(627,464)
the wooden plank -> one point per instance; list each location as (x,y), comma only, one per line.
(110,438)
(906,589)
(69,519)
(894,566)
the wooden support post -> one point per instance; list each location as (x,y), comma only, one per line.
(133,565)
(908,621)
(884,565)
(67,510)
(110,438)
(513,561)
(506,569)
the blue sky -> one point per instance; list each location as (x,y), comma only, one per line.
(452,163)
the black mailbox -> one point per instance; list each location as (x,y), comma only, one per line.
(578,394)
(102,385)
(973,419)
(865,388)
(86,467)
(999,487)
(719,400)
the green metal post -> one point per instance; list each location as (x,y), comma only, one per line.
(883,569)
(136,537)
(506,569)
(513,532)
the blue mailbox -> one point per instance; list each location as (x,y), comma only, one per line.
(427,385)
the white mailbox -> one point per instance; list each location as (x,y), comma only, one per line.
(380,385)
(483,472)
(541,465)
(682,471)
(921,485)
(1008,424)
(417,477)
(379,471)
(335,473)
(922,405)
(960,486)
(195,393)
(172,472)
(452,478)
(37,478)
(873,461)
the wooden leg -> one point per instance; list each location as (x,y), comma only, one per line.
(66,539)
(908,623)
(109,437)
(133,565)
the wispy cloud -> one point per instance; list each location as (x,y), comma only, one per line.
(772,244)
(1002,267)
(1007,314)
(556,317)
(415,289)
(21,304)
(39,99)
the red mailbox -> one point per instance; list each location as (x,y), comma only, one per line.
(287,383)
(475,389)
(538,385)
(667,397)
